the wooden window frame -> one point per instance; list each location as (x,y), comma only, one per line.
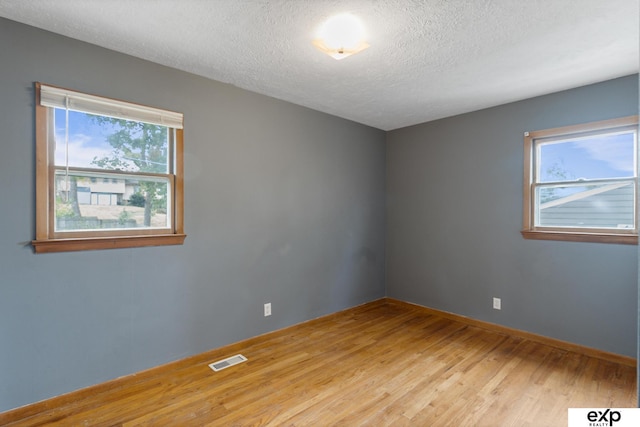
(530,230)
(48,240)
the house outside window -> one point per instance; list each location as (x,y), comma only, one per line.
(580,182)
(109,173)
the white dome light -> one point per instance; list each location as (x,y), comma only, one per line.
(341,36)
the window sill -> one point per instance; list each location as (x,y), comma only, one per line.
(86,244)
(626,239)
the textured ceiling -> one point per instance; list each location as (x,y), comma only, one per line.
(428,59)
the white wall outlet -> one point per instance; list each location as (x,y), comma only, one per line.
(267,309)
(497,303)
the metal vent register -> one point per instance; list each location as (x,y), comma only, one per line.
(229,361)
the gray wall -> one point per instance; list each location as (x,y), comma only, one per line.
(283,205)
(454,212)
(286,205)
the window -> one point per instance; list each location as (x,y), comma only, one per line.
(109,174)
(580,182)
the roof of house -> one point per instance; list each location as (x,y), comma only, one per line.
(607,206)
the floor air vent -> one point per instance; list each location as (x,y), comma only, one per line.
(229,361)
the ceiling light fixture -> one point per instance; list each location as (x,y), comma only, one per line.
(341,36)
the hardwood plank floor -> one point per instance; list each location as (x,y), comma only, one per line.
(379,364)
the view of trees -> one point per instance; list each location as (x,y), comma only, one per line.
(138,147)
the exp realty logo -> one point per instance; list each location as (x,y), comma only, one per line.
(604,417)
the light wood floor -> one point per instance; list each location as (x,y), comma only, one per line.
(379,364)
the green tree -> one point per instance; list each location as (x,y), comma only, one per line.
(137,147)
(137,199)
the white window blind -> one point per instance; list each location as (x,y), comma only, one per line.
(63,98)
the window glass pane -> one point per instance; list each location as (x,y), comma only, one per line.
(609,205)
(100,142)
(117,202)
(601,156)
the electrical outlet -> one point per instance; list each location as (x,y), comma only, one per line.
(497,303)
(267,309)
